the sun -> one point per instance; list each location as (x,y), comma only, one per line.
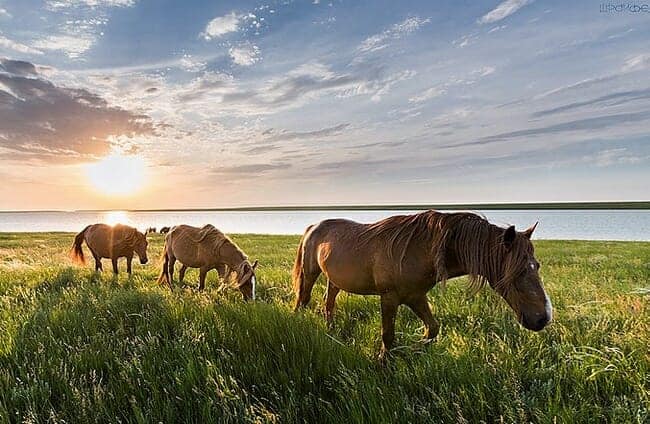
(117,175)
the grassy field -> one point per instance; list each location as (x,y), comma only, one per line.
(76,346)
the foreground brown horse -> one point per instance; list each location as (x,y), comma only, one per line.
(402,257)
(114,242)
(206,248)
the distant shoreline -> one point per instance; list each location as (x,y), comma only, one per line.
(460,206)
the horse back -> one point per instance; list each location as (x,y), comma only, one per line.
(360,261)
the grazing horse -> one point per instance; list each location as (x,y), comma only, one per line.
(114,242)
(206,248)
(402,257)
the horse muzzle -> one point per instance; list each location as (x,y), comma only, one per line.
(536,322)
(144,261)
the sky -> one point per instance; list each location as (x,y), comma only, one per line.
(248,103)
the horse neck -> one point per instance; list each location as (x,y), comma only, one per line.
(233,256)
(473,250)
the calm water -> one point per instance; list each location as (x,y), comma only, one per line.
(553,224)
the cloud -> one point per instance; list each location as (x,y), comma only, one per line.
(73,45)
(39,119)
(4,13)
(613,99)
(587,124)
(15,46)
(308,81)
(245,54)
(222,25)
(428,94)
(65,4)
(274,135)
(396,31)
(637,63)
(503,10)
(17,67)
(611,157)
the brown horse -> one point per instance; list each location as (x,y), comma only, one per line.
(114,242)
(402,257)
(206,248)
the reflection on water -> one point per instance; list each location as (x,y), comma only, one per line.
(553,224)
(116,217)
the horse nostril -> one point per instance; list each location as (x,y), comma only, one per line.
(542,321)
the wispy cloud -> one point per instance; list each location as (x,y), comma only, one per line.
(396,31)
(15,46)
(74,46)
(503,10)
(64,4)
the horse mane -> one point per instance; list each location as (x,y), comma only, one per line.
(128,235)
(476,243)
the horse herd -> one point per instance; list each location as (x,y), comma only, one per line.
(399,259)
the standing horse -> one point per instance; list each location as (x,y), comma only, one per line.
(402,257)
(114,242)
(206,248)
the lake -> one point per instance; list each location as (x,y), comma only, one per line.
(553,224)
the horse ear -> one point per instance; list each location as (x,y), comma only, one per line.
(509,237)
(529,232)
(255,264)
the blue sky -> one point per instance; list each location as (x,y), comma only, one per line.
(318,102)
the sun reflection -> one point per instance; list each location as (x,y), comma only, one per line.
(116,217)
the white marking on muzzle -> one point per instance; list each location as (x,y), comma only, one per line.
(254,283)
(548,307)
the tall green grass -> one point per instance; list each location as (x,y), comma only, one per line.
(77,346)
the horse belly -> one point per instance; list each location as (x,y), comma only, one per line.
(350,273)
(190,254)
(98,244)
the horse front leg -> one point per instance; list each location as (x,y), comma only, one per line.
(129,259)
(114,261)
(389,305)
(421,307)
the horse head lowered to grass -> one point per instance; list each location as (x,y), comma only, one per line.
(402,257)
(206,248)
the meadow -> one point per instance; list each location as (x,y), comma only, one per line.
(77,346)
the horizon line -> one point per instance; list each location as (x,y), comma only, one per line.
(632,204)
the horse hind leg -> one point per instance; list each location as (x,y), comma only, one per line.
(422,309)
(310,274)
(181,274)
(170,268)
(330,301)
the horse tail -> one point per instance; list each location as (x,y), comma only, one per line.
(298,274)
(164,273)
(77,252)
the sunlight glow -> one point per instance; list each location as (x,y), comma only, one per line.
(116,217)
(117,175)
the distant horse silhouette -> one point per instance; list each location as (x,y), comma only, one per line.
(164,230)
(114,242)
(402,257)
(206,248)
